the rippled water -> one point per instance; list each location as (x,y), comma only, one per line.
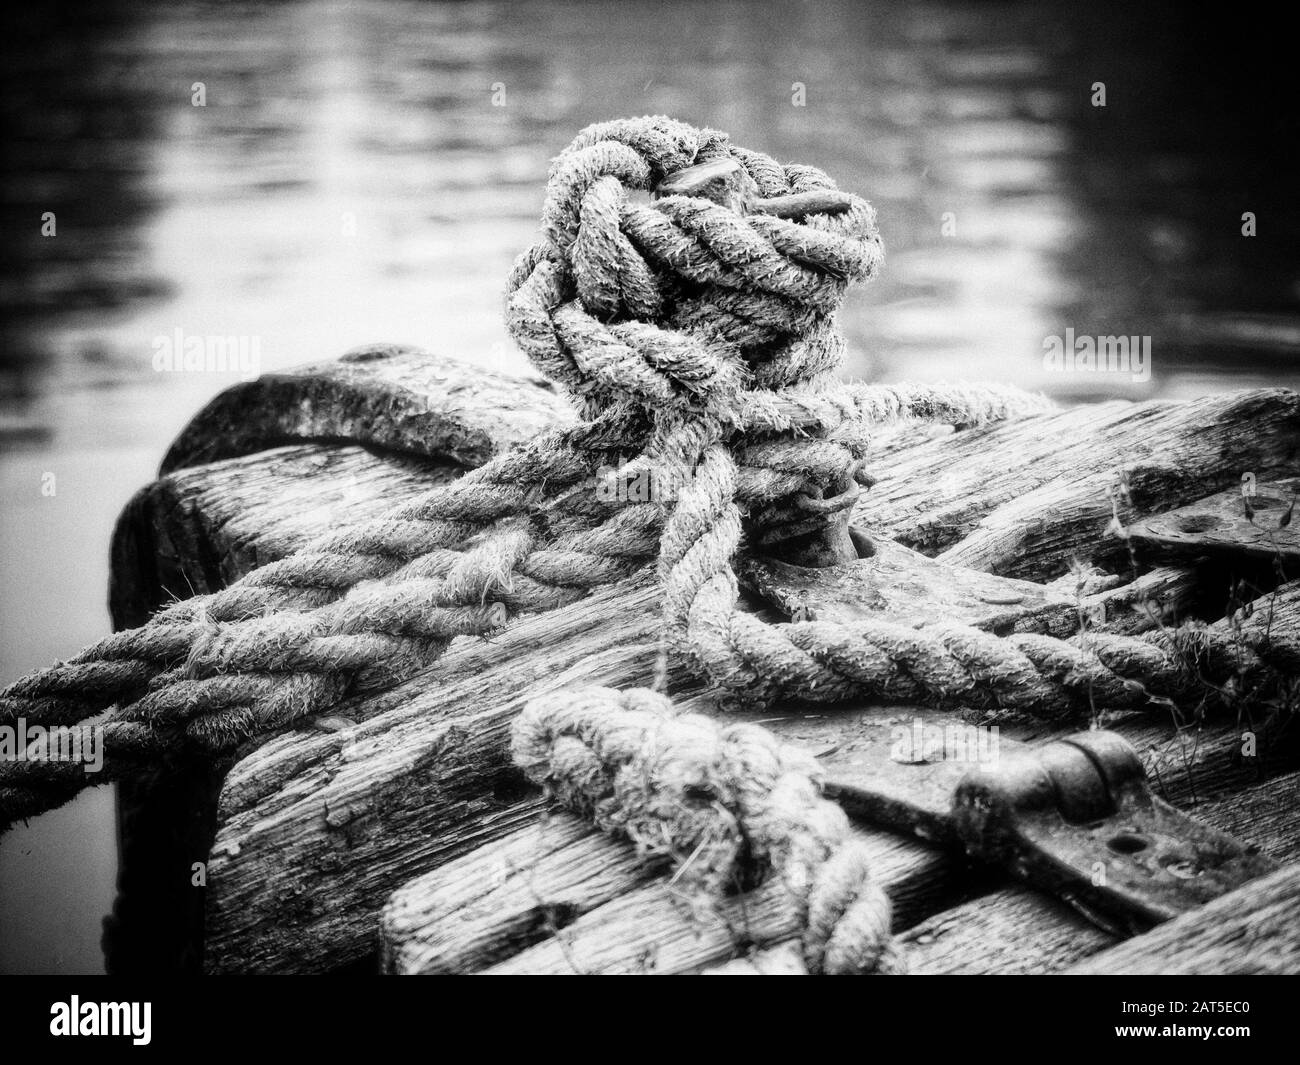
(350,180)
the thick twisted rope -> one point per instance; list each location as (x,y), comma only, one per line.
(728,805)
(384,596)
(744,321)
(691,335)
(588,548)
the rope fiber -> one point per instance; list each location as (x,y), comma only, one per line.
(727,804)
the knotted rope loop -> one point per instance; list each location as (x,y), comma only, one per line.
(664,263)
(727,805)
(698,310)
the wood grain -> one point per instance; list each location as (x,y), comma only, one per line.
(389,396)
(1252,932)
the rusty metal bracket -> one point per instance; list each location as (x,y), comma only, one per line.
(1257,520)
(811,529)
(1076,818)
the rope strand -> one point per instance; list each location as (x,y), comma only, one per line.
(728,805)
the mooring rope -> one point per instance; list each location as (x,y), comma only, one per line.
(413,563)
(694,334)
(728,804)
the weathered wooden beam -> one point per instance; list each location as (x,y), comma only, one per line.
(473,914)
(543,902)
(1251,932)
(1025,497)
(230,537)
(195,531)
(498,900)
(198,530)
(1256,520)
(390,396)
(441,748)
(785,959)
(652,929)
(318,829)
(174,541)
(1167,595)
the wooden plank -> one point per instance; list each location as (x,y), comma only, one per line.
(1255,931)
(1167,595)
(1023,497)
(556,886)
(293,798)
(198,530)
(496,901)
(652,930)
(1255,520)
(195,531)
(390,396)
(317,830)
(297,763)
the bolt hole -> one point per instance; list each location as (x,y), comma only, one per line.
(1127,843)
(1184,870)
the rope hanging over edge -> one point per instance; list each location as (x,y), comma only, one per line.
(728,804)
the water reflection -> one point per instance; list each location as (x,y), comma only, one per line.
(349,177)
(350,180)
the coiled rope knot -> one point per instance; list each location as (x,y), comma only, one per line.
(728,804)
(698,318)
(688,315)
